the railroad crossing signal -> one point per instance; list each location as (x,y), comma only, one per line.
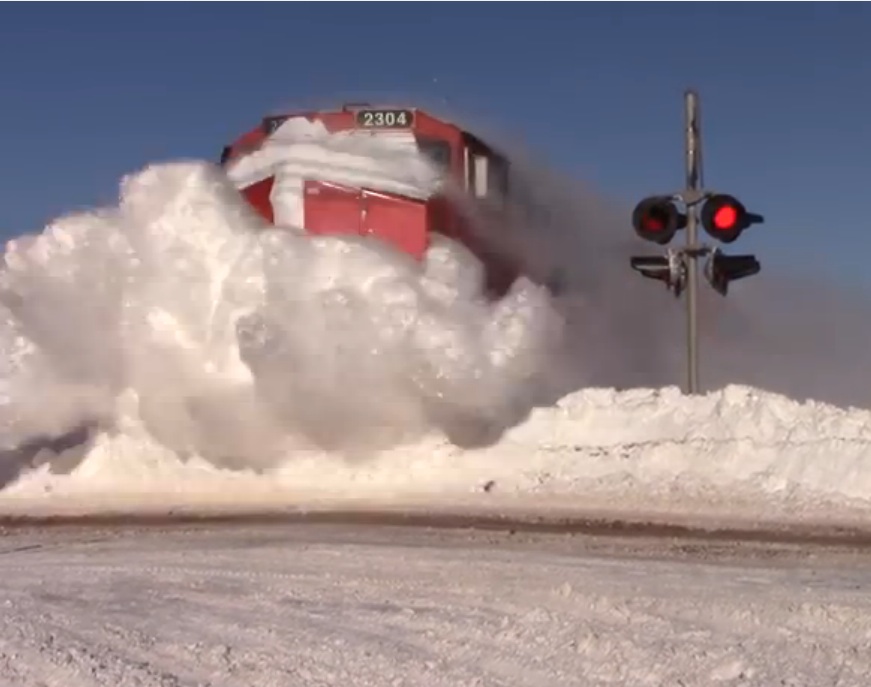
(722,216)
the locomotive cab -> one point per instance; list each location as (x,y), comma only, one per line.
(471,195)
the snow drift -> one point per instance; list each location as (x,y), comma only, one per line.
(737,454)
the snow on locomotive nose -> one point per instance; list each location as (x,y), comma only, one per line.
(396,174)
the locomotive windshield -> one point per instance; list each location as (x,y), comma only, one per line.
(436,151)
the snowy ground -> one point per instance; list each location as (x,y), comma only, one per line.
(735,454)
(356,606)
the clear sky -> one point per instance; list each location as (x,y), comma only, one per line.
(92,91)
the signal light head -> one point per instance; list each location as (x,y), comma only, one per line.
(724,217)
(721,270)
(657,219)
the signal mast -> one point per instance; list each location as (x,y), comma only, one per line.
(723,217)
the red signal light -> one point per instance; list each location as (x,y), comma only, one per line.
(724,217)
(657,219)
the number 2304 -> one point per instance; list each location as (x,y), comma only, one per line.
(385,118)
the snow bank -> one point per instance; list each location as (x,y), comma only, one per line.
(218,361)
(737,453)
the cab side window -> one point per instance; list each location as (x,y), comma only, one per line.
(486,174)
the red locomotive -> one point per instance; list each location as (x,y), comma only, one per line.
(476,191)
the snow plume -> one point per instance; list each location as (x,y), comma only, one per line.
(179,315)
(786,332)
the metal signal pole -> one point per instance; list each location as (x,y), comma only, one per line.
(693,250)
(722,216)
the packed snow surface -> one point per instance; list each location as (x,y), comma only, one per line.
(315,607)
(217,361)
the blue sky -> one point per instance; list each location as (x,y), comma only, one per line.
(90,92)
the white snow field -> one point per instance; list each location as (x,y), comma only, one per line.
(317,605)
